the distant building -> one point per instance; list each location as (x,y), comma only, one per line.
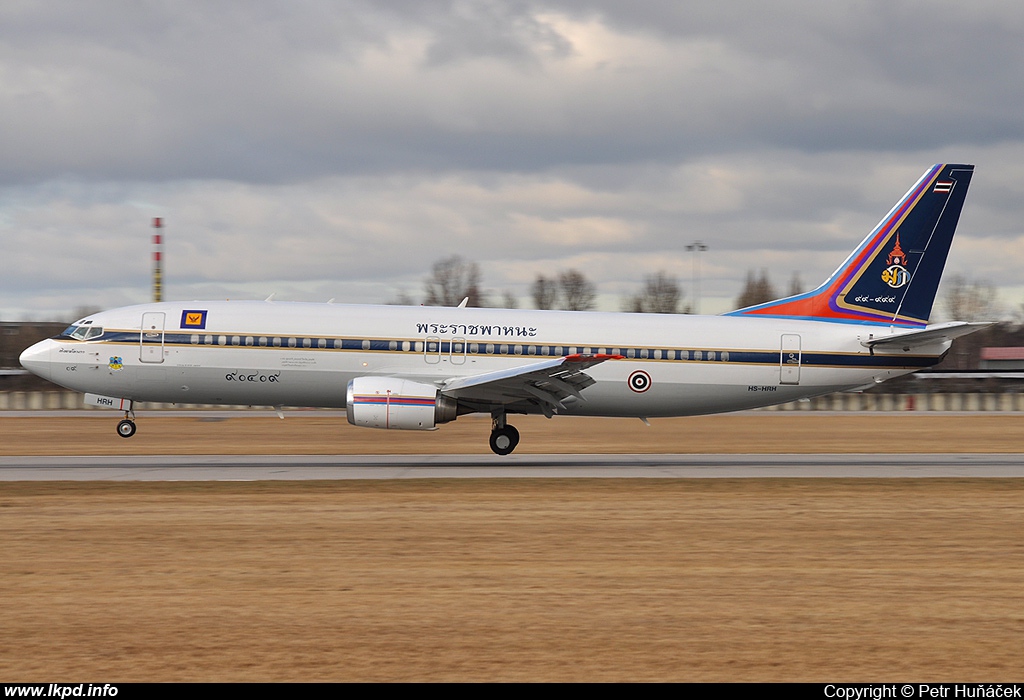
(1007,358)
(16,336)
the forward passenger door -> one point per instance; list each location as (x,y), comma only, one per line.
(151,337)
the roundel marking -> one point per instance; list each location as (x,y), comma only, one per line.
(639,381)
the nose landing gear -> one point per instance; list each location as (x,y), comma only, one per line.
(504,437)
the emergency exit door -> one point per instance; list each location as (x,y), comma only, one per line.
(789,359)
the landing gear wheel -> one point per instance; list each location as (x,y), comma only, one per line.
(126,428)
(504,440)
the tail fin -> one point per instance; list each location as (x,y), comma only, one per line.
(892,276)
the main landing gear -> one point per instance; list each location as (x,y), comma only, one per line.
(126,428)
(504,437)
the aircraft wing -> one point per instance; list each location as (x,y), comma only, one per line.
(547,383)
(925,336)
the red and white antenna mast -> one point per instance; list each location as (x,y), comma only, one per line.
(158,263)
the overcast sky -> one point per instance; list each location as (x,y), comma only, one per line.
(336,149)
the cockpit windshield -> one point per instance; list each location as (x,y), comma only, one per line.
(82,332)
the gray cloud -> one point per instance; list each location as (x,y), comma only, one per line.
(260,93)
(336,148)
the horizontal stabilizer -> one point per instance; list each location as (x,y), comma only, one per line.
(938,333)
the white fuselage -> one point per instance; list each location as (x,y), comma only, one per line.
(297,354)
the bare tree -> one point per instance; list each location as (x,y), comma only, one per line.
(509,300)
(966,300)
(544,291)
(577,291)
(756,290)
(796,285)
(83,311)
(452,280)
(402,299)
(660,295)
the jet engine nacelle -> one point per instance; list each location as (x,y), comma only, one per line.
(398,404)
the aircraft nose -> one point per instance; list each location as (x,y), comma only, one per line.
(36,359)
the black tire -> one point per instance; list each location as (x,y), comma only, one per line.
(514,434)
(504,440)
(126,428)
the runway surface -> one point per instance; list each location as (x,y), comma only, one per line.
(642,466)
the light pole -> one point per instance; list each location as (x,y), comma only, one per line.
(696,247)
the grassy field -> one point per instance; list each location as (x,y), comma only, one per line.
(536,580)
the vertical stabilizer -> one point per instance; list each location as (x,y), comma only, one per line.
(893,274)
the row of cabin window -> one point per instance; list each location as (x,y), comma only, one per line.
(559,350)
(262,341)
(433,346)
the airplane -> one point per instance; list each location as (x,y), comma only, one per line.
(418,367)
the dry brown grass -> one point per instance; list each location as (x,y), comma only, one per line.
(738,580)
